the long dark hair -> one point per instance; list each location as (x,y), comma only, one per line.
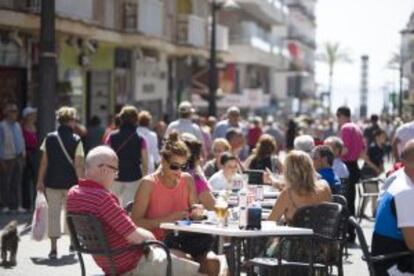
(195,148)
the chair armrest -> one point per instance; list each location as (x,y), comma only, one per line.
(380,258)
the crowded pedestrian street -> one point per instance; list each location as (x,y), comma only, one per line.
(207,137)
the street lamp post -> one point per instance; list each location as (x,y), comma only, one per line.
(47,76)
(213,76)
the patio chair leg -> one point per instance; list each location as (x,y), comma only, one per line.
(81,264)
(361,209)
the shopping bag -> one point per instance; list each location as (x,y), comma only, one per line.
(39,221)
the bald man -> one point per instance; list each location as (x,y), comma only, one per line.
(92,195)
(394,226)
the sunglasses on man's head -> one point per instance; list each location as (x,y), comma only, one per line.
(176,167)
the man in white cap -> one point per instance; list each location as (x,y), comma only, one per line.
(184,123)
(232,121)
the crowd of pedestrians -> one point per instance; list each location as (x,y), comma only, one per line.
(165,168)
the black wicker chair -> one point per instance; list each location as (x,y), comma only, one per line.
(343,230)
(367,257)
(88,237)
(294,254)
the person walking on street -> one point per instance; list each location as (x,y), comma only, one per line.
(144,122)
(232,121)
(354,148)
(12,156)
(29,172)
(60,167)
(184,124)
(131,149)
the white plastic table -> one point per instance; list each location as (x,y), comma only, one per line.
(269,229)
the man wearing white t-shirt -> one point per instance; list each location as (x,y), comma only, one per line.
(402,135)
(394,226)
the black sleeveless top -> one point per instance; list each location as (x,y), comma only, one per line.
(60,174)
(261,164)
(127,144)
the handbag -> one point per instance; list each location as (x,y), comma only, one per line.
(191,243)
(40,218)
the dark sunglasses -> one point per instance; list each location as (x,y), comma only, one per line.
(176,167)
(115,169)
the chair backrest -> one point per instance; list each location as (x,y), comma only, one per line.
(324,219)
(87,234)
(340,199)
(343,225)
(363,243)
(344,185)
(370,187)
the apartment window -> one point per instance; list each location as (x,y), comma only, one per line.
(130,16)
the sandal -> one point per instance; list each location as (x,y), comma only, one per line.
(53,254)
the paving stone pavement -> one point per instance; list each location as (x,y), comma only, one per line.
(32,255)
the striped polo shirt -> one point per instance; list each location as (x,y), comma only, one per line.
(92,198)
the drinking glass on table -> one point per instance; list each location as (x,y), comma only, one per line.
(221,209)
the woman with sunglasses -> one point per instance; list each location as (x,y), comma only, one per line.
(167,194)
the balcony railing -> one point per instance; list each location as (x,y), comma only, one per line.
(251,34)
(151,17)
(222,38)
(295,34)
(269,11)
(300,5)
(24,6)
(76,9)
(192,30)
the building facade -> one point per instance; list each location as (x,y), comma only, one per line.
(407,67)
(301,44)
(110,52)
(154,54)
(247,74)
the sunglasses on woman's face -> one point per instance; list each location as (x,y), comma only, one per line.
(176,167)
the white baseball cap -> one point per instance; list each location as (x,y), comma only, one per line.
(28,110)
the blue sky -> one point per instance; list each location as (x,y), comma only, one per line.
(361,27)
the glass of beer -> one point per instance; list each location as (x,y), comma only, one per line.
(221,209)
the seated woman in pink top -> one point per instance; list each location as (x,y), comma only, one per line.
(167,194)
(202,187)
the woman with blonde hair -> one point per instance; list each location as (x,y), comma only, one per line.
(61,165)
(302,187)
(264,156)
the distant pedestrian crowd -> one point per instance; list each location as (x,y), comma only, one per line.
(166,167)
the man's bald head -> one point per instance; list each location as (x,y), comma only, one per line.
(407,154)
(99,155)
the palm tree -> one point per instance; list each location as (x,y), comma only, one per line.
(332,54)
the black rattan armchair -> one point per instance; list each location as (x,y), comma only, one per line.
(367,257)
(88,237)
(294,255)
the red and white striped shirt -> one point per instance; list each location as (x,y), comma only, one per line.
(92,198)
